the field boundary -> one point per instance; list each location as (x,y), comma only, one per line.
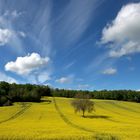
(19,113)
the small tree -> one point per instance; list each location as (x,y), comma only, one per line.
(82,103)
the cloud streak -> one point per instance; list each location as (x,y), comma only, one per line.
(4,77)
(110,71)
(75,19)
(8,33)
(65,80)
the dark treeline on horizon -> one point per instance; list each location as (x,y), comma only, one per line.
(10,93)
(122,95)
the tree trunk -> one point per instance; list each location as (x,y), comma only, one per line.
(83,113)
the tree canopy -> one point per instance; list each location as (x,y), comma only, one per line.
(82,103)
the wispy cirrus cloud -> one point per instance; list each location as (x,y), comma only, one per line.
(6,78)
(83,86)
(12,14)
(74,19)
(44,77)
(69,65)
(42,28)
(8,34)
(39,34)
(109,71)
(5,36)
(65,79)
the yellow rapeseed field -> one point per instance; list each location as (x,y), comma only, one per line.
(56,120)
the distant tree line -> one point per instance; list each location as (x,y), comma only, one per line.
(10,93)
(123,95)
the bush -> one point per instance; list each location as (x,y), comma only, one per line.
(4,101)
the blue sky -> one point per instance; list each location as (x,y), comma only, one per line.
(71,44)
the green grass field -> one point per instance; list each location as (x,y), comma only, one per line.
(112,120)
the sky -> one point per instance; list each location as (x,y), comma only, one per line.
(71,44)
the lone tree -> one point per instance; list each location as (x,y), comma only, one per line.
(82,103)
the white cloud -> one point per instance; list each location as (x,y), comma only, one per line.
(4,77)
(8,34)
(126,48)
(83,86)
(43,77)
(124,31)
(5,36)
(22,34)
(12,14)
(25,65)
(110,71)
(63,80)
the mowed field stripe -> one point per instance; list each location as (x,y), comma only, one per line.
(119,105)
(17,114)
(94,136)
(66,120)
(119,110)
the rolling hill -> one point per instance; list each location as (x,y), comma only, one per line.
(55,120)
